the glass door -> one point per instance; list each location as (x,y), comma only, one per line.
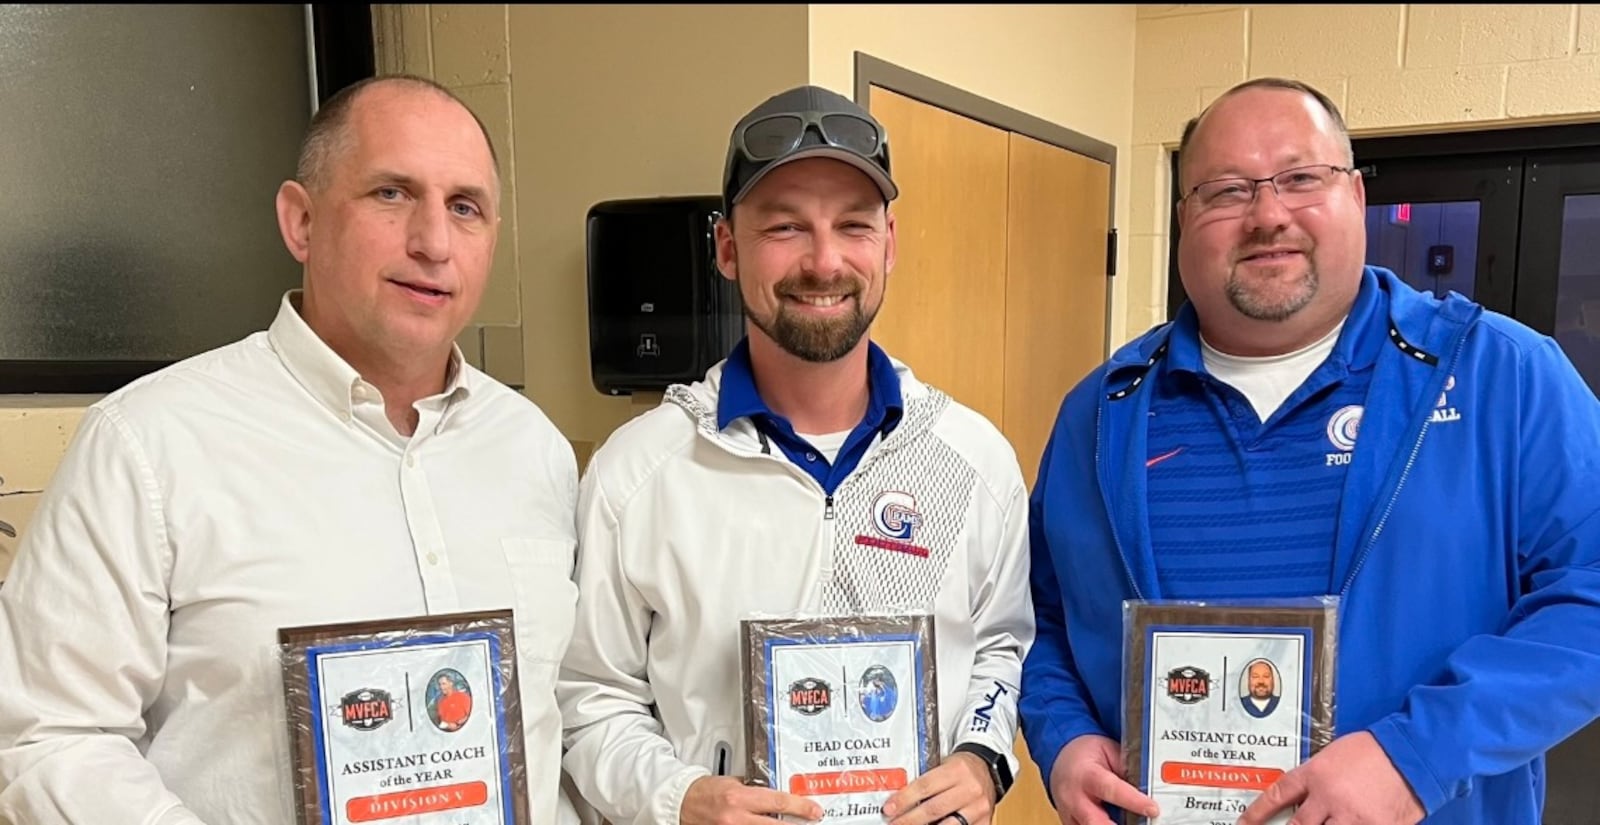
(1447,224)
(1558,291)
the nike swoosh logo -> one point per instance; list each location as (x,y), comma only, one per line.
(1160,458)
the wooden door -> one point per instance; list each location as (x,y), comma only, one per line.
(999,295)
(945,310)
(1056,228)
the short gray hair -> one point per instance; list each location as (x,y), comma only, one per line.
(327,134)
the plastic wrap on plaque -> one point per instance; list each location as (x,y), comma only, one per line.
(841,710)
(415,720)
(1221,698)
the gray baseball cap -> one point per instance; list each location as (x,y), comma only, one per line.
(804,122)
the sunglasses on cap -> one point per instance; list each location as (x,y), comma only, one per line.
(771,137)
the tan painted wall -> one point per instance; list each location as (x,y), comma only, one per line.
(1069,65)
(585,83)
(621,102)
(570,91)
(584,103)
(588,103)
(1392,69)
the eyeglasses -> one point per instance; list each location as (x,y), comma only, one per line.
(774,136)
(1296,188)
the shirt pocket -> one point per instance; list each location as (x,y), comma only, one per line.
(545,597)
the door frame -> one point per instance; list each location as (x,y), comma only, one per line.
(1550,178)
(871,71)
(1486,180)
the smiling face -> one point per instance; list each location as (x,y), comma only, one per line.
(1270,279)
(1261,681)
(811,246)
(398,239)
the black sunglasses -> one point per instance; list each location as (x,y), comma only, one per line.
(774,136)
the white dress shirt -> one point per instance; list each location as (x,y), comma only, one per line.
(253,487)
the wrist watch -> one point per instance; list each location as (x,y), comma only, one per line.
(999,767)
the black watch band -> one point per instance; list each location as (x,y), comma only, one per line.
(999,767)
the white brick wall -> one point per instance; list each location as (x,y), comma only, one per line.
(1392,69)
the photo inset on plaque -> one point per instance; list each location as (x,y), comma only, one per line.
(449,700)
(1222,700)
(413,721)
(841,710)
(1258,688)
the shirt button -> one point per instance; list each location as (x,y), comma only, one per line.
(411,461)
(433,558)
(811,456)
(360,393)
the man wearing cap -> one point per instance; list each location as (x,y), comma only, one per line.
(808,472)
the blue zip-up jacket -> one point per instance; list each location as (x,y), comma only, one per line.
(1467,556)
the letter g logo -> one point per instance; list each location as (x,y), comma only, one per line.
(895,515)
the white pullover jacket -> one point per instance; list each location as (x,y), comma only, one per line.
(685,529)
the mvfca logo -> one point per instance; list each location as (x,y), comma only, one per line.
(1188,685)
(895,515)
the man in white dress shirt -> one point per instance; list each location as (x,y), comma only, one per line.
(345,464)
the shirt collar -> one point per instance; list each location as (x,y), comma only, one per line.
(330,379)
(1358,345)
(737,396)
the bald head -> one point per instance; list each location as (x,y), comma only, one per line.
(1333,121)
(329,135)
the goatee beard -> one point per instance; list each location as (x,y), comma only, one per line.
(818,341)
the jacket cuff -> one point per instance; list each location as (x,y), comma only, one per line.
(668,801)
(1408,761)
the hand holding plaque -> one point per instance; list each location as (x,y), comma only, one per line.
(413,720)
(1223,698)
(841,710)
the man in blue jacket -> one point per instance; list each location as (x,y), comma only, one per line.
(1308,426)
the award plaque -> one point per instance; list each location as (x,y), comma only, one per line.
(1222,699)
(414,721)
(841,710)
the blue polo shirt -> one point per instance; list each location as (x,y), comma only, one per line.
(738,398)
(1240,507)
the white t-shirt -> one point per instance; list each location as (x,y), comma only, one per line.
(1266,381)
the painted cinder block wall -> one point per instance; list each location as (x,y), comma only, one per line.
(1392,69)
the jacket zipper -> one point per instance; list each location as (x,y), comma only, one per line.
(1400,483)
(1116,536)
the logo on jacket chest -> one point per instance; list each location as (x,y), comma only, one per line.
(1443,413)
(1343,427)
(895,520)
